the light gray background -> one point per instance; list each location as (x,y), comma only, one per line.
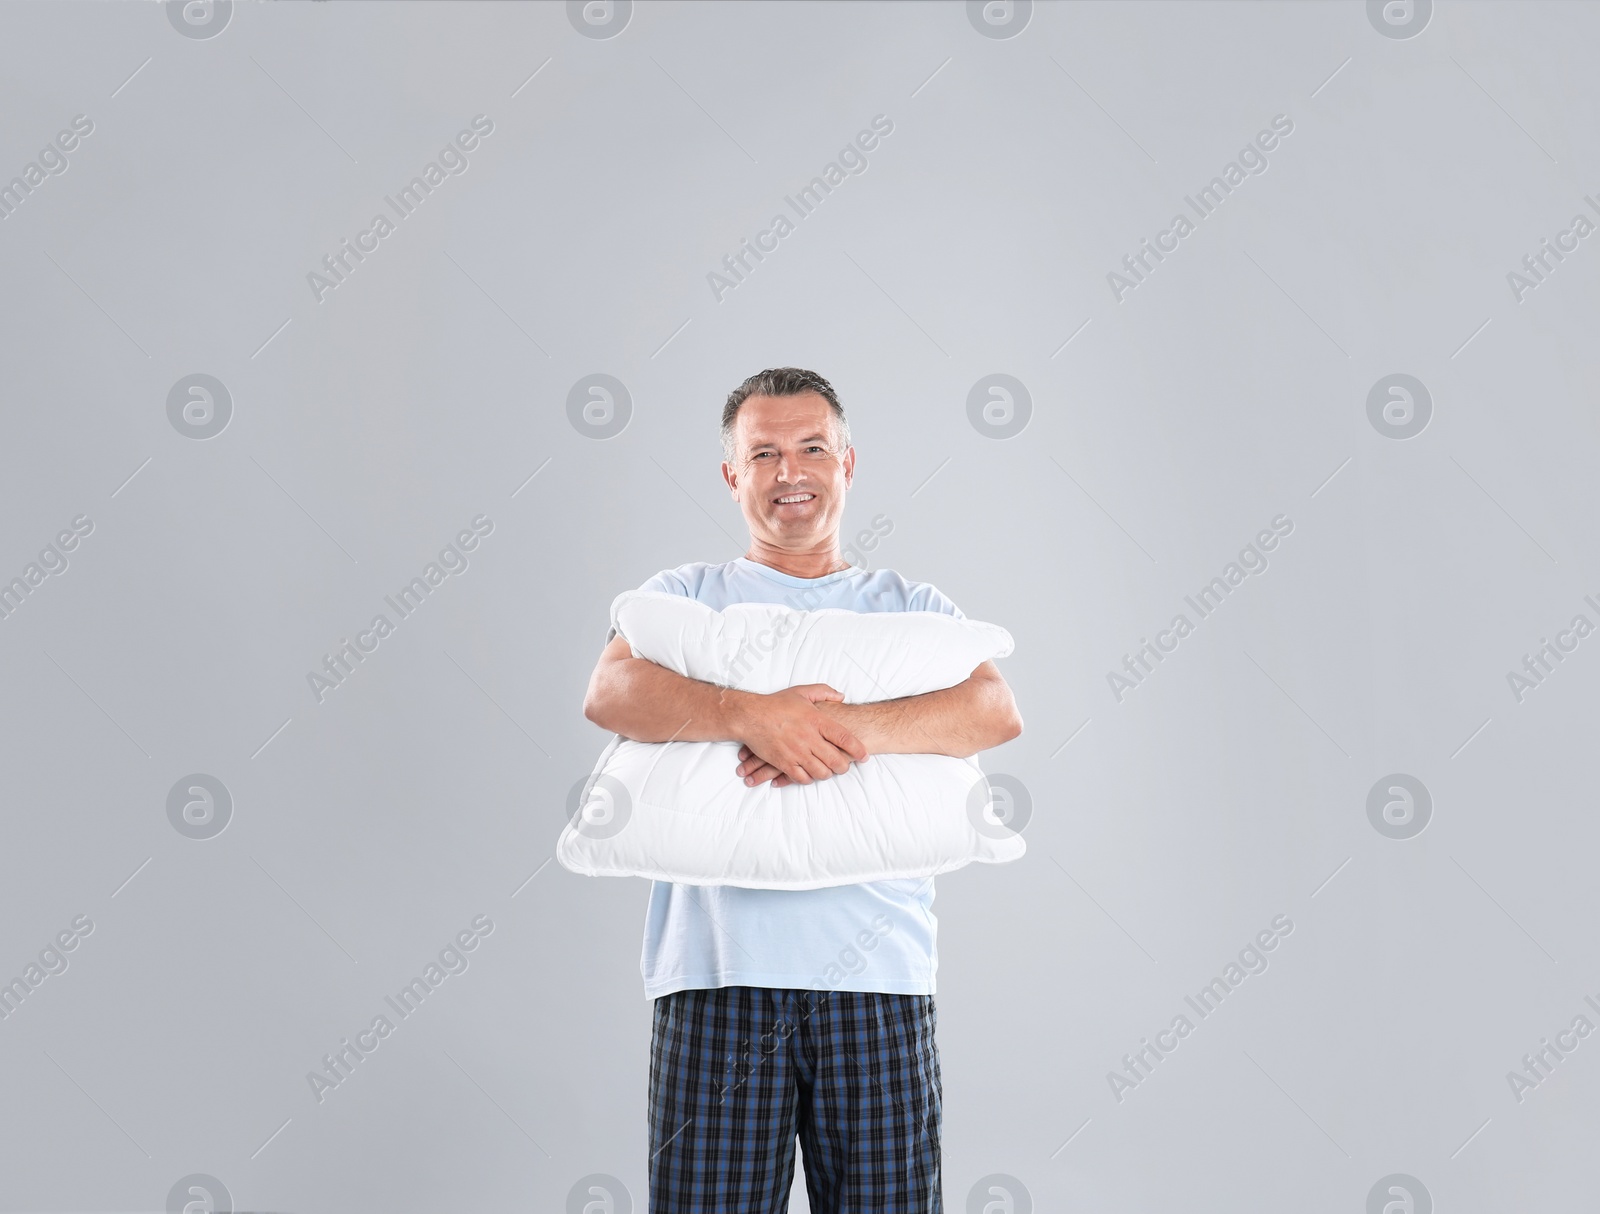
(1167,430)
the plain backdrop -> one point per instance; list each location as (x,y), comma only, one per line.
(235,530)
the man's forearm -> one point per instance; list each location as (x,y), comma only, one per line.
(649,703)
(974,715)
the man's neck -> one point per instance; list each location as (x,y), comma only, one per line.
(799,564)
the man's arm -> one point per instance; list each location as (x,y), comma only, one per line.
(974,715)
(649,703)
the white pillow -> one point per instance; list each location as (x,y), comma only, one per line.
(677,811)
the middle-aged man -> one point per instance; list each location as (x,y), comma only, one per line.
(784,1012)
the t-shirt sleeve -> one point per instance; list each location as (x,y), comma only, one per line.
(928,597)
(667,582)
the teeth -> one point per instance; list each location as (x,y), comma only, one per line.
(798,497)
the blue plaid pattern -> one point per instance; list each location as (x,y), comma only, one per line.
(736,1072)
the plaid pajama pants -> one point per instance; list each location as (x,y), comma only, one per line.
(737,1071)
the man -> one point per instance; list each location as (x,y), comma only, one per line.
(780,1012)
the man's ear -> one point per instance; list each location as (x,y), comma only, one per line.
(732,477)
(849,466)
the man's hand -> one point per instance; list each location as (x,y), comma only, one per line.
(788,739)
(974,715)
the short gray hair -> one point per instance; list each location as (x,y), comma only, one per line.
(781,381)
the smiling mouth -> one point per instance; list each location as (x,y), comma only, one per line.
(794,499)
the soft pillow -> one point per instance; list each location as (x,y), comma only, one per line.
(677,811)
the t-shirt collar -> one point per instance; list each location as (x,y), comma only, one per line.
(786,579)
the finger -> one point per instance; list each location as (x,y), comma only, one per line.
(826,760)
(761,774)
(820,766)
(816,692)
(751,761)
(836,759)
(845,740)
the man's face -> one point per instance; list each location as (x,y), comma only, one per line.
(786,448)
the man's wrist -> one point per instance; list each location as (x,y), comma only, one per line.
(859,719)
(734,712)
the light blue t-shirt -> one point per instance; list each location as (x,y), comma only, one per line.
(874,936)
